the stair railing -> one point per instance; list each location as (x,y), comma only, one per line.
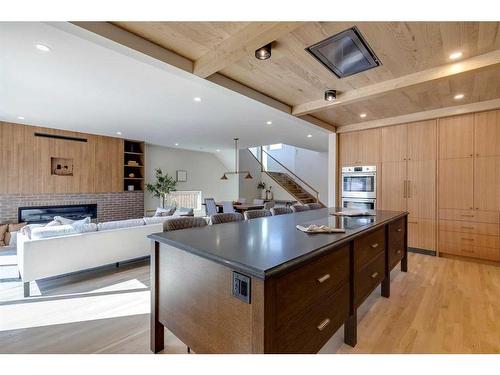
(295,178)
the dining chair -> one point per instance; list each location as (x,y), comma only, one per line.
(269,205)
(258,201)
(299,208)
(242,200)
(184,223)
(254,214)
(314,206)
(226,218)
(210,206)
(227,207)
(275,211)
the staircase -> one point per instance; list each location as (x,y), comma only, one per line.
(293,188)
(289,181)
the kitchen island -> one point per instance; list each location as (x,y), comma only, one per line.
(262,286)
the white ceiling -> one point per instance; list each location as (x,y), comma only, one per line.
(90,84)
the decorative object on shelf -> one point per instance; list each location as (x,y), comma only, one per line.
(163,185)
(269,193)
(131,175)
(132,163)
(262,187)
(248,176)
(182,176)
(130,187)
(61,166)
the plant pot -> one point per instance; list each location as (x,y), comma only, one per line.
(263,194)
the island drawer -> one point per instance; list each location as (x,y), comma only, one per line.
(368,278)
(469,227)
(368,247)
(313,327)
(396,241)
(297,289)
(469,215)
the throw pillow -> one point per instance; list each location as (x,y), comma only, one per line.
(167,211)
(3,230)
(63,220)
(16,227)
(57,231)
(52,223)
(13,238)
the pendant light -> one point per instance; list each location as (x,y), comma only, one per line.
(248,176)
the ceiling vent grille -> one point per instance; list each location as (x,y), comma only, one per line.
(345,53)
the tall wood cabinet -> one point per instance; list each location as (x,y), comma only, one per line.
(359,148)
(469,185)
(409,178)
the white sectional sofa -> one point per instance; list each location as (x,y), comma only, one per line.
(39,258)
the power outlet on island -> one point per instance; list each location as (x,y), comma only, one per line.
(241,287)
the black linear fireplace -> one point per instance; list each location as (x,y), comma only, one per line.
(44,214)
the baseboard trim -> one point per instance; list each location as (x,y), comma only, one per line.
(422,251)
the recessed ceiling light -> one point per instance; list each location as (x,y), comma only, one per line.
(459,96)
(309,135)
(362,115)
(330,95)
(217,150)
(42,47)
(263,53)
(177,144)
(269,122)
(118,133)
(197,99)
(20,117)
(456,55)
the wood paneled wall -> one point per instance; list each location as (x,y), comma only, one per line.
(25,161)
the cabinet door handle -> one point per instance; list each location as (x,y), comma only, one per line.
(408,184)
(404,189)
(374,275)
(467,227)
(398,230)
(323,324)
(323,278)
(467,215)
(413,222)
(375,245)
(467,239)
(398,252)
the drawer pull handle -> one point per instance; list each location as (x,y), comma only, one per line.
(412,222)
(398,252)
(467,227)
(467,239)
(323,278)
(374,275)
(398,230)
(323,324)
(467,215)
(375,245)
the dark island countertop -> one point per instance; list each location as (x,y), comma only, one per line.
(267,246)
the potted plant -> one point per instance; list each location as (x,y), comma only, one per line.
(262,186)
(269,194)
(163,186)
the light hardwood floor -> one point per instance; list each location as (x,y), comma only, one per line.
(440,306)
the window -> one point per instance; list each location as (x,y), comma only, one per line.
(185,198)
(277,146)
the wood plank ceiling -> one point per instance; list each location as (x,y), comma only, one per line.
(293,77)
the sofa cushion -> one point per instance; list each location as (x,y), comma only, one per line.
(3,230)
(63,220)
(157,219)
(26,230)
(167,211)
(49,232)
(120,224)
(182,211)
(85,227)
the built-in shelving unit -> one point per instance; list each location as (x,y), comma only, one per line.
(133,169)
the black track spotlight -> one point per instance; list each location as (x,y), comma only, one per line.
(330,95)
(263,53)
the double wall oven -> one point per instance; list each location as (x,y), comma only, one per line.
(359,187)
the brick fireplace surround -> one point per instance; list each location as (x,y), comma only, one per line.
(110,206)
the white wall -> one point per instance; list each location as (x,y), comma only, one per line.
(203,173)
(248,188)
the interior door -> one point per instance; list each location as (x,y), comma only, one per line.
(456,185)
(421,188)
(487,183)
(394,143)
(393,185)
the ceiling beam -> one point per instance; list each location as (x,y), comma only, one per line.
(241,44)
(486,105)
(440,72)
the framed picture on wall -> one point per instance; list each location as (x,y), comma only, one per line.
(182,176)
